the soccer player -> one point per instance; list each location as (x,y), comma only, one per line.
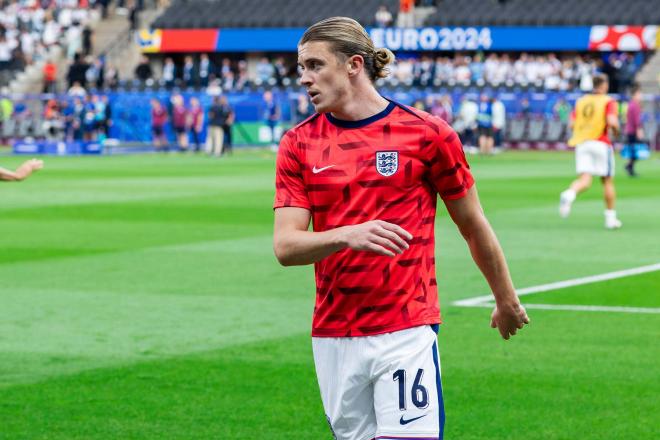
(366,171)
(594,117)
(23,171)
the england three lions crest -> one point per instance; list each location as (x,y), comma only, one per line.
(387,162)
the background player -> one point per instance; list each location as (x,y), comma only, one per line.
(366,171)
(24,171)
(594,117)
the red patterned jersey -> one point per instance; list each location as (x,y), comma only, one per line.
(388,167)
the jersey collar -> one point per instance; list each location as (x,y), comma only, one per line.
(362,122)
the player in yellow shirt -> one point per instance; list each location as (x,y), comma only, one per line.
(595,116)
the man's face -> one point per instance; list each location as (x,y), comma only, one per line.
(324,75)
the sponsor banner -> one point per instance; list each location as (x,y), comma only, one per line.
(554,38)
(482,38)
(189,40)
(257,133)
(149,41)
(624,38)
(57,148)
(257,39)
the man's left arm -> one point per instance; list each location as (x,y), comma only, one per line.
(509,315)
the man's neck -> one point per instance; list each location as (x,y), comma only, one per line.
(361,105)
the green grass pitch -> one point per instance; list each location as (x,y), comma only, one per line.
(140,299)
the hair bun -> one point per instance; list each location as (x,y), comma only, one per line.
(382,57)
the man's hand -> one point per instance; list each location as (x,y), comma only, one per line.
(508,319)
(33,164)
(28,167)
(376,236)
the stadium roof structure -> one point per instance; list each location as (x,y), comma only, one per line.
(545,13)
(201,14)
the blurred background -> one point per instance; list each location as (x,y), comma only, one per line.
(88,71)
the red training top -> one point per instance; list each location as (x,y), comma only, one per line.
(387,167)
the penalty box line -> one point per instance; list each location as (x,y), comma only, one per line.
(487,300)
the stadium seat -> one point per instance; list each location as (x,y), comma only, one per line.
(24,128)
(266,13)
(544,13)
(8,128)
(536,129)
(555,130)
(517,128)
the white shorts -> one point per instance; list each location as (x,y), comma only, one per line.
(384,387)
(595,158)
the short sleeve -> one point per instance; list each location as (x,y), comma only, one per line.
(612,108)
(449,172)
(289,186)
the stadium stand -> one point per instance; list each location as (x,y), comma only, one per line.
(536,87)
(203,14)
(547,71)
(31,33)
(544,13)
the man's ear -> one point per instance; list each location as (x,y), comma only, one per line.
(355,65)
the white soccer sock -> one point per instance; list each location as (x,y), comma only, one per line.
(610,214)
(569,195)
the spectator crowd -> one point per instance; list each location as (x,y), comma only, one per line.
(547,71)
(227,75)
(71,119)
(30,30)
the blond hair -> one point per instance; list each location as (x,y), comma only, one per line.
(347,37)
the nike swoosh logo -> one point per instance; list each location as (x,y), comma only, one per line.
(405,422)
(318,170)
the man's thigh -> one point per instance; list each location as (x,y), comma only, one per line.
(346,387)
(408,393)
(385,386)
(595,158)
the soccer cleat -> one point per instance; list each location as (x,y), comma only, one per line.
(613,223)
(565,202)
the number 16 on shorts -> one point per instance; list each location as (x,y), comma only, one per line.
(409,398)
(419,394)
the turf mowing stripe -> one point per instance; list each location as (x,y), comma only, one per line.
(478,301)
(580,308)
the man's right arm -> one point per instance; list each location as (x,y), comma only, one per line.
(23,171)
(295,245)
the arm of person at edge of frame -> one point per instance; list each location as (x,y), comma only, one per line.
(23,171)
(509,315)
(295,245)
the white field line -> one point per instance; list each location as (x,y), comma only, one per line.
(579,308)
(486,300)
